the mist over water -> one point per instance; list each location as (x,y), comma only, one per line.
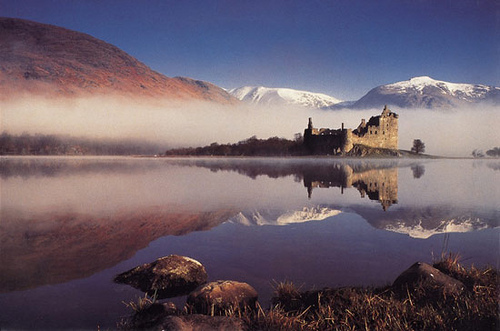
(181,124)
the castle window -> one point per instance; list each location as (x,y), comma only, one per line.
(383,132)
(375,132)
(371,132)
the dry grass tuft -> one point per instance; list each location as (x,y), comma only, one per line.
(142,303)
(356,308)
(382,309)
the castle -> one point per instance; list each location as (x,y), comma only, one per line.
(380,132)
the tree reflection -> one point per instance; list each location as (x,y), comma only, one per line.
(418,170)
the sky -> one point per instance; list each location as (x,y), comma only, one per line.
(341,48)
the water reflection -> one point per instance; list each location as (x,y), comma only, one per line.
(55,247)
(69,221)
(418,170)
(377,179)
(379,184)
(101,211)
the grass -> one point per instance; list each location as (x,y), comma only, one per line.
(359,308)
(142,303)
(382,309)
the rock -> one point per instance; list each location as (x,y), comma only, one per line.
(424,275)
(217,297)
(201,323)
(165,316)
(168,276)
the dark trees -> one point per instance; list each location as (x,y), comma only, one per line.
(418,146)
(252,146)
(477,153)
(40,144)
(494,152)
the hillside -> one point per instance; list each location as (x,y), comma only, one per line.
(50,60)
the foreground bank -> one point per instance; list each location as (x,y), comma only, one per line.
(442,296)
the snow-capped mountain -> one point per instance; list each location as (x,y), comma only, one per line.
(425,92)
(424,222)
(280,217)
(283,96)
(451,226)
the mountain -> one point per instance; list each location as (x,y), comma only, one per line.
(424,222)
(280,217)
(50,60)
(419,223)
(282,96)
(425,92)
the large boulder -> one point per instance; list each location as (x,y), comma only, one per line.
(168,276)
(218,297)
(424,276)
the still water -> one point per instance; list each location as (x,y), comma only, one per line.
(69,225)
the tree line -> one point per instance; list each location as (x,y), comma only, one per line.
(41,144)
(249,147)
(494,152)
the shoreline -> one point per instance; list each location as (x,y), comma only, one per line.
(431,297)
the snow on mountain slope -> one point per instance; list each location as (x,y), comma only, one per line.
(468,92)
(452,226)
(280,217)
(421,227)
(283,96)
(426,92)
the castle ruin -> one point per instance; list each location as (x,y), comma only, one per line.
(380,132)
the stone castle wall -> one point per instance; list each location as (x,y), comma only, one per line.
(380,132)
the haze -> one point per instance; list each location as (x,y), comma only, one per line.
(179,124)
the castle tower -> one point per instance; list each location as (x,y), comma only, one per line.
(386,111)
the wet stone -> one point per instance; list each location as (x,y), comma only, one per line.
(166,277)
(426,276)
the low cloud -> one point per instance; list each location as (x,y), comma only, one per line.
(182,124)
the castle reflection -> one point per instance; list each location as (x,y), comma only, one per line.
(377,180)
(378,184)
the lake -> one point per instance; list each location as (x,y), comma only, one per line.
(69,225)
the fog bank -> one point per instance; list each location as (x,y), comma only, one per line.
(182,124)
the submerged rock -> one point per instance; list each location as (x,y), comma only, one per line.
(223,295)
(168,276)
(427,277)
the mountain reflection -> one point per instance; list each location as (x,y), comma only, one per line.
(55,247)
(69,218)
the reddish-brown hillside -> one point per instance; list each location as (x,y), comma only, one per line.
(56,247)
(46,59)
